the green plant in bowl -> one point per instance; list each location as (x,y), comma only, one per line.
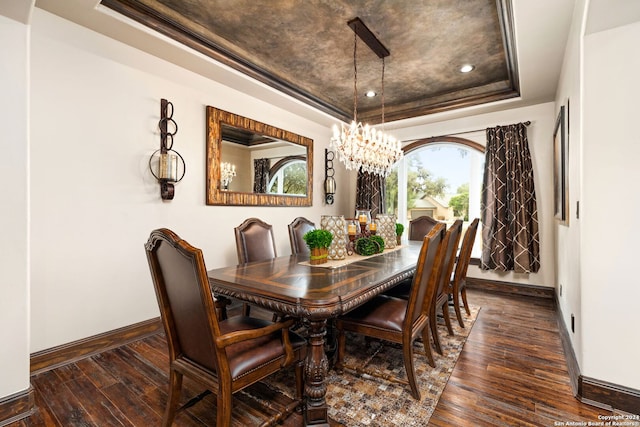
(318,238)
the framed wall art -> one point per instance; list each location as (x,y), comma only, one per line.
(560,170)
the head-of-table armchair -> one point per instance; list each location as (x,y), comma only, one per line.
(400,320)
(224,356)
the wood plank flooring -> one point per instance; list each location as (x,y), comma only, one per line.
(511,372)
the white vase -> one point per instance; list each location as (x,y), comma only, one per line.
(338,227)
(387,229)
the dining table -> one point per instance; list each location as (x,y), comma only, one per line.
(290,286)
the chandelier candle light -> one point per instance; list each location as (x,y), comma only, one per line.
(227,172)
(362,146)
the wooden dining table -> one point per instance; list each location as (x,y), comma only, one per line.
(289,286)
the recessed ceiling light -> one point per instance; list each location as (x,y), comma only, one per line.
(467,68)
(370,94)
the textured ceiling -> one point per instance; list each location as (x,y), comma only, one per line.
(305,49)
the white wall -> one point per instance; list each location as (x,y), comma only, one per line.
(611,149)
(568,245)
(95,111)
(539,134)
(14,164)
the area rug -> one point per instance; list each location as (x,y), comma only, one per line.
(356,400)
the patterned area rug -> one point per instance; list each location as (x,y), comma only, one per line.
(356,400)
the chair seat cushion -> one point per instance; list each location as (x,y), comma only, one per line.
(248,355)
(384,312)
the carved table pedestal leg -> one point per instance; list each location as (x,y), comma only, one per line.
(315,387)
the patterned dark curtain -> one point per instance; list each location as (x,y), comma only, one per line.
(261,175)
(509,212)
(370,192)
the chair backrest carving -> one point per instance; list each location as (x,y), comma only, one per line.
(419,227)
(255,241)
(297,229)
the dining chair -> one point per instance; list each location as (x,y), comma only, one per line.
(297,230)
(223,356)
(400,320)
(416,228)
(254,242)
(459,282)
(419,227)
(441,297)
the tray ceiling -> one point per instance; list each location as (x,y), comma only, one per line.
(305,49)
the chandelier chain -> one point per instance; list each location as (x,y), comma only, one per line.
(382,94)
(355,77)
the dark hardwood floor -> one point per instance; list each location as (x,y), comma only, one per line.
(511,372)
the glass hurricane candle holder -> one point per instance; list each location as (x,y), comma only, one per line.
(363,216)
(373,228)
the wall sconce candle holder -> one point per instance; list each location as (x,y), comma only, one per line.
(165,163)
(329,181)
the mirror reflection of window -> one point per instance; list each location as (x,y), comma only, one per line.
(287,160)
(289,179)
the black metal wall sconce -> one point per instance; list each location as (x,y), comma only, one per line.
(165,164)
(329,181)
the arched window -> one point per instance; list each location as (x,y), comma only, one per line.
(288,176)
(439,177)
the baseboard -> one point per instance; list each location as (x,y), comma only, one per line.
(569,354)
(16,407)
(591,391)
(69,353)
(615,396)
(510,288)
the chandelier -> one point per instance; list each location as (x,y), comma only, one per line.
(362,146)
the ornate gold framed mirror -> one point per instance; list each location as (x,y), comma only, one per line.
(250,163)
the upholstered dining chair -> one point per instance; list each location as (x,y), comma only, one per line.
(441,297)
(297,229)
(223,356)
(396,319)
(419,227)
(254,242)
(459,282)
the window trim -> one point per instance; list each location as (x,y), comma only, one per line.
(439,139)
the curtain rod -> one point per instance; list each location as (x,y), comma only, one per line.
(527,123)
